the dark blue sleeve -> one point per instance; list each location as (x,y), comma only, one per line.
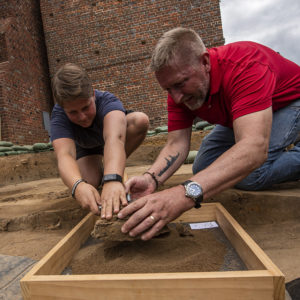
(107,102)
(60,124)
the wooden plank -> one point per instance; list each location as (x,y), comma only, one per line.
(206,213)
(257,284)
(59,256)
(172,286)
(251,254)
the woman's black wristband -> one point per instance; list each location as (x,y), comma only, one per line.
(75,186)
(154,178)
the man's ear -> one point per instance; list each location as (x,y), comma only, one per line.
(205,61)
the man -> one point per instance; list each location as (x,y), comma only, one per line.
(252,92)
(88,126)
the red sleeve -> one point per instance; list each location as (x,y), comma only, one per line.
(179,117)
(250,89)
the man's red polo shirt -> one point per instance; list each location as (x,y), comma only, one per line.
(245,77)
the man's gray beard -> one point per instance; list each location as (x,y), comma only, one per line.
(198,104)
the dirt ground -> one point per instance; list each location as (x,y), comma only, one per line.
(36,209)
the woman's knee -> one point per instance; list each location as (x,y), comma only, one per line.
(137,121)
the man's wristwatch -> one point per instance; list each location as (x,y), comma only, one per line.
(111,177)
(194,191)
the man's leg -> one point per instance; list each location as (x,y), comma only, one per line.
(282,165)
(218,141)
(137,126)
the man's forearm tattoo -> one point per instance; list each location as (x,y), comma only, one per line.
(170,162)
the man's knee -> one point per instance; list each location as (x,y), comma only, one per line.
(253,182)
(198,164)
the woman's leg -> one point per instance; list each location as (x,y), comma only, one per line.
(137,127)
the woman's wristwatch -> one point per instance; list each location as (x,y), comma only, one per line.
(111,177)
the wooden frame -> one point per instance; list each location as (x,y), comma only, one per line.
(262,281)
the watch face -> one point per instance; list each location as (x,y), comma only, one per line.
(194,190)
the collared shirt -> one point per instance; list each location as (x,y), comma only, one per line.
(245,77)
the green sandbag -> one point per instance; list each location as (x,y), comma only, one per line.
(161,129)
(23,151)
(40,146)
(151,132)
(5,144)
(28,148)
(11,153)
(191,157)
(4,149)
(2,154)
(209,127)
(18,147)
(200,125)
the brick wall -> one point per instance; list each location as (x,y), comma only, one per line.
(24,74)
(114,39)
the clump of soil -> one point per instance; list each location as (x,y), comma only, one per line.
(110,230)
(182,250)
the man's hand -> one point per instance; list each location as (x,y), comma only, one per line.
(113,193)
(151,213)
(139,186)
(88,197)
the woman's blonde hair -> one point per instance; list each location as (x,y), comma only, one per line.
(71,82)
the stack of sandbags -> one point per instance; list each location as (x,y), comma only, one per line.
(202,125)
(8,148)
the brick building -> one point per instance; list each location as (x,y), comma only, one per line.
(24,73)
(111,39)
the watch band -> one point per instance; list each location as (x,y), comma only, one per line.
(197,200)
(186,182)
(111,177)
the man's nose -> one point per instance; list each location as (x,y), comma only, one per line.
(176,95)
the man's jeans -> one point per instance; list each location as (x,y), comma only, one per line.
(281,165)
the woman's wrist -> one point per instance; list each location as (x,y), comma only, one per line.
(75,185)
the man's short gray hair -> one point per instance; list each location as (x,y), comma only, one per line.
(178,41)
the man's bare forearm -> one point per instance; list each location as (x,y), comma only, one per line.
(168,161)
(229,169)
